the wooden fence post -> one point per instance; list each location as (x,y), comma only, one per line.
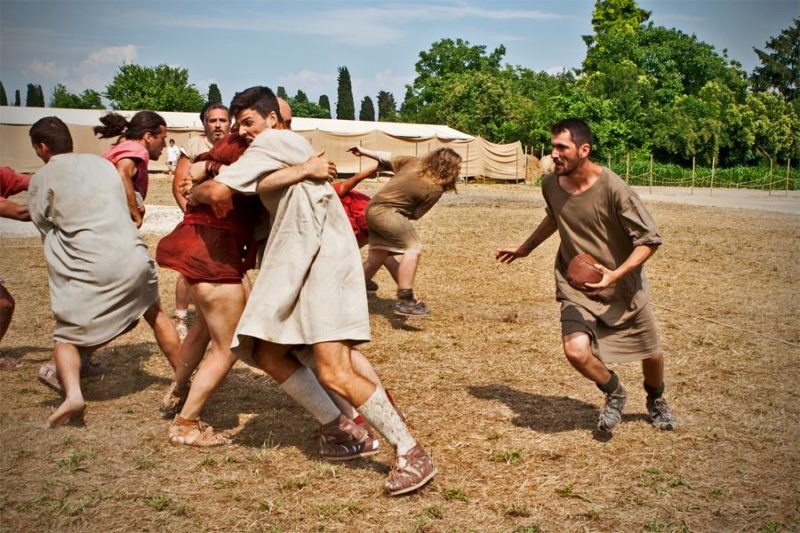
(627,168)
(713,169)
(691,191)
(651,173)
(788,167)
(466,167)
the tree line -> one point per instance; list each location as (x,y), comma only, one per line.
(645,89)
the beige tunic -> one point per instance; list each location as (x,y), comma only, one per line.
(607,221)
(407,196)
(101,276)
(310,287)
(196,146)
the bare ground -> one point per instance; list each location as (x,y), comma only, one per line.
(486,388)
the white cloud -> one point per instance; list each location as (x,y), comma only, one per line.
(49,70)
(556,69)
(94,72)
(112,55)
(375,25)
(308,81)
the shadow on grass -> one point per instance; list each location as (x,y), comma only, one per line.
(278,422)
(124,374)
(547,414)
(385,307)
(21,351)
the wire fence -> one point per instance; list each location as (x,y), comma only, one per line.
(773,178)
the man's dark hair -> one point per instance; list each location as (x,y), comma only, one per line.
(577,128)
(210,107)
(142,123)
(53,133)
(259,98)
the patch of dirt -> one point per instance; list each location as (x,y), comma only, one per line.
(484,383)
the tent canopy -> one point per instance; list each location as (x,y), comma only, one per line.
(480,157)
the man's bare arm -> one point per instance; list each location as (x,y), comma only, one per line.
(317,167)
(347,185)
(126,169)
(542,232)
(13,210)
(181,171)
(636,259)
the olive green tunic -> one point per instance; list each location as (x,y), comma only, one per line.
(608,221)
(407,196)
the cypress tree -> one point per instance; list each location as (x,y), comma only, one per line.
(17,99)
(345,106)
(387,108)
(325,103)
(282,92)
(214,96)
(367,109)
(40,102)
(3,97)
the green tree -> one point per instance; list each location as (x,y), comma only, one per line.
(160,88)
(3,97)
(304,108)
(17,99)
(345,105)
(282,92)
(88,99)
(300,96)
(32,96)
(780,65)
(325,104)
(214,96)
(775,125)
(367,111)
(445,59)
(387,108)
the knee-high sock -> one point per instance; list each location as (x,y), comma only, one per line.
(381,414)
(303,387)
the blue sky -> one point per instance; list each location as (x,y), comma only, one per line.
(300,44)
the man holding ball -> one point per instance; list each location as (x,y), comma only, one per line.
(609,321)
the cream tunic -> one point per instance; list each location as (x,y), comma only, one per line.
(101,276)
(310,287)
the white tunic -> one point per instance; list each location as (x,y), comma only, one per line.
(101,276)
(310,287)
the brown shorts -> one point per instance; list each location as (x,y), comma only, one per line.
(633,340)
(391,231)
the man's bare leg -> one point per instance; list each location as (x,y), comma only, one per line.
(181,306)
(374,261)
(165,333)
(578,349)
(413,467)
(221,306)
(68,363)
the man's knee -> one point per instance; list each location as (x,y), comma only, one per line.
(578,348)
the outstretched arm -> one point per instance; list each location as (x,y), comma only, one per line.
(542,232)
(349,184)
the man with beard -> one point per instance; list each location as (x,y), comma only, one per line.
(217,124)
(310,290)
(611,321)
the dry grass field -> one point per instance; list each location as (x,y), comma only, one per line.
(486,388)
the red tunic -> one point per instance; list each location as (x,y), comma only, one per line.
(215,244)
(12,183)
(355,205)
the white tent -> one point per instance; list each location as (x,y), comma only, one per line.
(481,158)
